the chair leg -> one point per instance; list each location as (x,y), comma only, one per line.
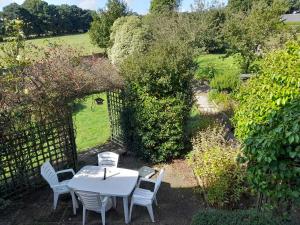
(55,199)
(130,211)
(74,202)
(103,216)
(114,200)
(155,200)
(83,215)
(150,210)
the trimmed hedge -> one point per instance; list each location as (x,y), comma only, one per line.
(159,98)
(239,217)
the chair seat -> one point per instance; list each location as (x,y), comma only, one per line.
(63,188)
(142,196)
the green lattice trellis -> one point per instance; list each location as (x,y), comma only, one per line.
(23,151)
(115,106)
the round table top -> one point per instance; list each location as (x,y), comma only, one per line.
(118,182)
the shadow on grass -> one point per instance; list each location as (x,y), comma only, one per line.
(77,107)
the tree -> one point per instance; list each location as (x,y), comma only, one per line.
(129,35)
(104,20)
(161,6)
(248,32)
(14,11)
(293,5)
(38,9)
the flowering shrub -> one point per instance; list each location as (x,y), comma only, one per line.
(213,160)
(57,77)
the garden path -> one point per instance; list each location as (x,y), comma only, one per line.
(204,105)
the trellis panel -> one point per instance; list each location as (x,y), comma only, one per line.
(115,106)
(23,151)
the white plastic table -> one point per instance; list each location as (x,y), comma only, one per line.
(119,183)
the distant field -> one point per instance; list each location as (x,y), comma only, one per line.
(91,122)
(220,64)
(78,41)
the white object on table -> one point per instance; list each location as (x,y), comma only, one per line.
(119,183)
(108,159)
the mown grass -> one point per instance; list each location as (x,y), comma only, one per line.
(218,62)
(91,122)
(78,41)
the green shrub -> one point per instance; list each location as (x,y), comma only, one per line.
(213,160)
(128,35)
(159,99)
(239,217)
(223,100)
(206,73)
(225,82)
(268,123)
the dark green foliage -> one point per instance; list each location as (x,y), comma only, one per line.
(42,19)
(159,97)
(163,6)
(294,5)
(103,21)
(268,123)
(239,217)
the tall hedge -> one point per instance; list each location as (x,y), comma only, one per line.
(159,98)
(268,123)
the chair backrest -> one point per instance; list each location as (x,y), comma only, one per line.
(49,174)
(90,200)
(108,159)
(159,180)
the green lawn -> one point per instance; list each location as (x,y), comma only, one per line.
(91,122)
(220,64)
(78,41)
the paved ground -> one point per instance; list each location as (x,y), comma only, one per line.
(178,201)
(201,95)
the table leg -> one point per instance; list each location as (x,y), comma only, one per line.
(74,202)
(125,205)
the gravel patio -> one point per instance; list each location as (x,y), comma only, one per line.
(177,199)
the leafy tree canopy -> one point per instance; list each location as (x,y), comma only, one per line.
(161,6)
(248,32)
(104,20)
(42,19)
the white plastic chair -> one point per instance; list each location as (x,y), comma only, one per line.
(49,174)
(93,202)
(145,197)
(108,159)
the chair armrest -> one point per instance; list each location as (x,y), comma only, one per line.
(145,180)
(66,171)
(58,187)
(104,199)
